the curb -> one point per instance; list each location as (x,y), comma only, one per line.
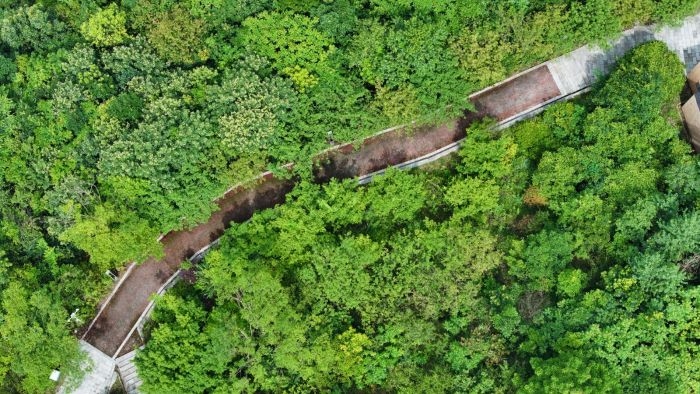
(109,298)
(146,312)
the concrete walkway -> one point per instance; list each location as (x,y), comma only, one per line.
(100,375)
(581,68)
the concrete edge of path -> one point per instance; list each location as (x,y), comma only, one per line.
(109,298)
(147,311)
(417,162)
(454,146)
(199,255)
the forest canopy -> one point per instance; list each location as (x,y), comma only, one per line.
(123,120)
(560,255)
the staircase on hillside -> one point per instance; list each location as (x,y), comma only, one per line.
(127,371)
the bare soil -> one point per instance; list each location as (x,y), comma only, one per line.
(517,95)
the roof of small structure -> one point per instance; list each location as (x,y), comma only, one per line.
(694,78)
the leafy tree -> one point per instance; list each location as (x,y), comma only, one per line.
(572,372)
(183,337)
(482,55)
(32,28)
(7,69)
(34,333)
(177,37)
(113,237)
(404,60)
(106,27)
(292,42)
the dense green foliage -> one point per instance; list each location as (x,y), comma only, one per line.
(560,255)
(144,111)
(124,120)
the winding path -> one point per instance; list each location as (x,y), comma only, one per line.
(520,96)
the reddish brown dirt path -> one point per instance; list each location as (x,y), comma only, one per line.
(132,297)
(124,309)
(375,153)
(517,95)
(384,150)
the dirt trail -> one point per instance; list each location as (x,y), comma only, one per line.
(114,323)
(132,297)
(238,205)
(517,94)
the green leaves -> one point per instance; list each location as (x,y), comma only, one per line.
(293,44)
(658,77)
(545,256)
(34,337)
(572,372)
(409,64)
(106,27)
(181,346)
(32,29)
(178,37)
(113,238)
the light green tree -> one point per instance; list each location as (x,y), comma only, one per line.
(113,237)
(106,27)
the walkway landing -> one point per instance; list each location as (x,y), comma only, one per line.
(581,68)
(100,377)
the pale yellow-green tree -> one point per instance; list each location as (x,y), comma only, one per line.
(106,27)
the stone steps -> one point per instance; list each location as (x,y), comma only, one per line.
(127,371)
